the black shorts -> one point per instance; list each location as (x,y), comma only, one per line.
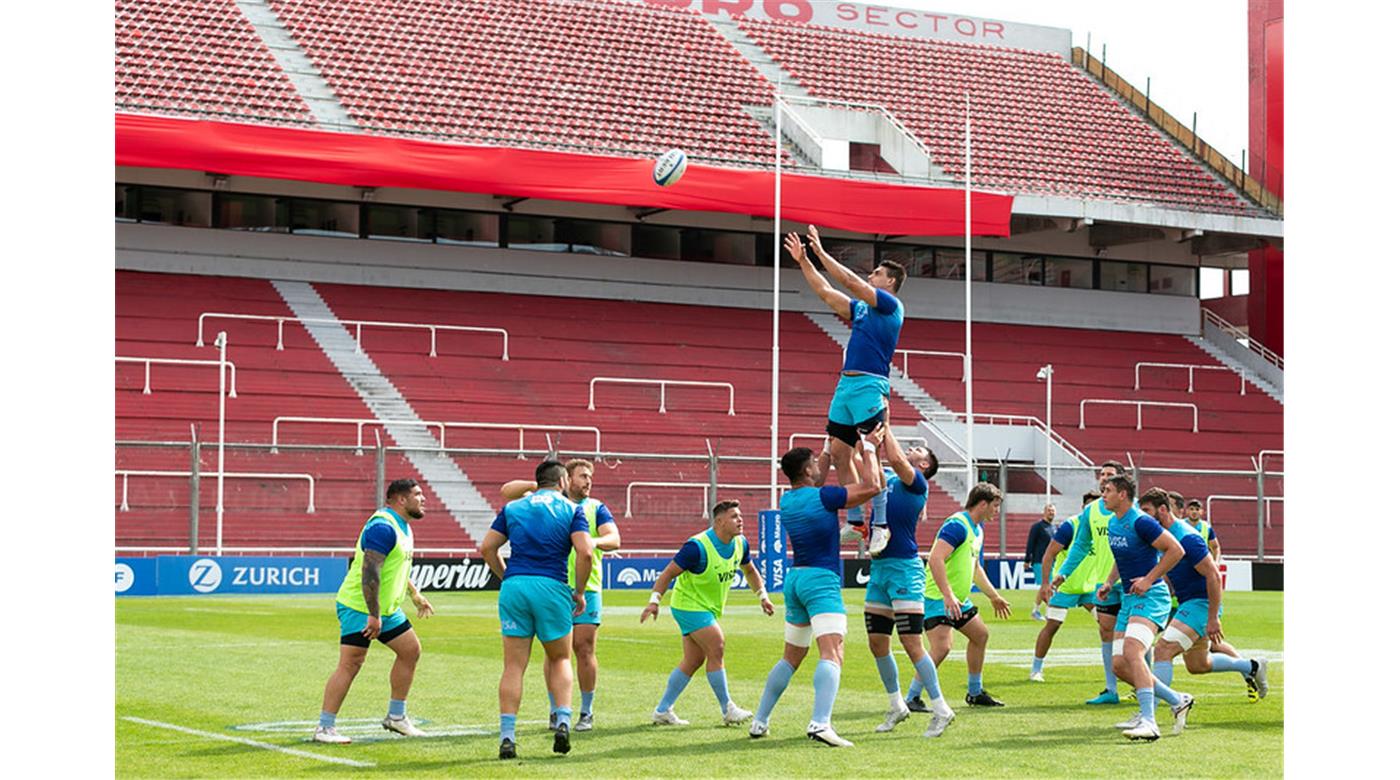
(360,640)
(1108,609)
(850,434)
(944,620)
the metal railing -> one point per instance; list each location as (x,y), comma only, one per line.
(232,370)
(704,498)
(1012,419)
(125,474)
(442,426)
(1195,413)
(1243,338)
(1191,369)
(592,384)
(1269,501)
(931,353)
(432,328)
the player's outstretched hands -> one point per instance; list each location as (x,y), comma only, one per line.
(767,604)
(815,239)
(650,610)
(794,247)
(877,435)
(1002,607)
(425,607)
(1213,632)
(952,608)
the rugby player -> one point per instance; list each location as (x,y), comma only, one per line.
(1078,591)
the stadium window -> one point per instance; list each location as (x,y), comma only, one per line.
(127,197)
(170,206)
(1017,269)
(1239,281)
(656,241)
(325,218)
(1212,283)
(948,264)
(594,238)
(859,256)
(1172,280)
(917,260)
(717,246)
(398,223)
(1069,272)
(263,213)
(526,232)
(1122,277)
(466,228)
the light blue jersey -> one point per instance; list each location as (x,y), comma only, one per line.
(874,334)
(539,528)
(812,526)
(1187,583)
(906,505)
(1130,537)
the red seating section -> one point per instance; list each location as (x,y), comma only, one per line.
(199,57)
(1039,124)
(595,75)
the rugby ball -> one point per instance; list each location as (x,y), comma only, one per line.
(669,168)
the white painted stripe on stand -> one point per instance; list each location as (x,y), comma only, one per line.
(249,742)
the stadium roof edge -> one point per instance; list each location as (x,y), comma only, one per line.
(1141,214)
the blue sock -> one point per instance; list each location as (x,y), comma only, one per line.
(927,677)
(827,682)
(778,680)
(1161,691)
(1164,671)
(1037,664)
(587,703)
(889,672)
(508,727)
(1147,704)
(674,685)
(877,508)
(1110,680)
(327,720)
(1219,662)
(719,683)
(561,715)
(397,708)
(551,700)
(856,515)
(916,687)
(974,683)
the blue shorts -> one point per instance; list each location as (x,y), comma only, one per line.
(809,591)
(1193,613)
(1115,596)
(858,398)
(534,606)
(592,614)
(691,620)
(895,579)
(1063,600)
(352,621)
(1154,605)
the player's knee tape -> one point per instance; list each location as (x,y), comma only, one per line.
(916,607)
(1117,647)
(828,623)
(1141,633)
(879,624)
(799,636)
(909,623)
(1057,614)
(1174,634)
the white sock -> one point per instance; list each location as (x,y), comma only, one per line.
(896,699)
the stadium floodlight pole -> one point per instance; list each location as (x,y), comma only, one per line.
(222,343)
(1047,374)
(777,240)
(967,284)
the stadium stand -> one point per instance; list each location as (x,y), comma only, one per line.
(199,58)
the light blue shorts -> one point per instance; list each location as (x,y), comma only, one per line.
(691,620)
(895,579)
(534,606)
(858,398)
(810,591)
(1154,605)
(1194,613)
(352,621)
(1115,596)
(1071,600)
(592,614)
(933,608)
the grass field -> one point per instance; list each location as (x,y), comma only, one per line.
(220,687)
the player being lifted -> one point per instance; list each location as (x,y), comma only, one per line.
(954,563)
(812,588)
(1142,553)
(862,393)
(894,595)
(1079,590)
(704,570)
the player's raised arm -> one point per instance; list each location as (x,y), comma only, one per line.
(868,471)
(518,488)
(837,300)
(894,455)
(844,276)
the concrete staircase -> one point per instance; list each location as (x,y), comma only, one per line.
(1225,356)
(309,83)
(460,497)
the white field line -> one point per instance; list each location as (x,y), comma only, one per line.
(249,742)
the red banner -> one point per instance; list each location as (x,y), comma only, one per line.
(379,161)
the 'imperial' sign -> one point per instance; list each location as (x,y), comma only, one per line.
(891,20)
